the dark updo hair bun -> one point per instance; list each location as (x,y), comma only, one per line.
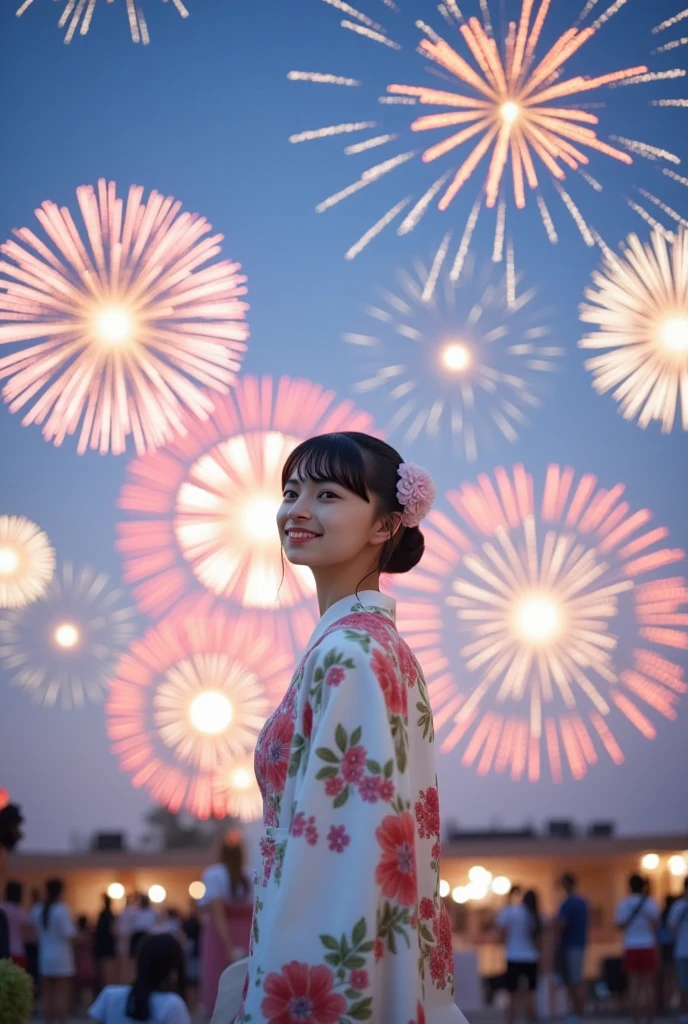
(369,468)
(408,552)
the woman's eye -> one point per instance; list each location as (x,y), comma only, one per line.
(289,494)
(328,494)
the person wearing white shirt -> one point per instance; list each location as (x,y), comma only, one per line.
(678,923)
(521,927)
(155,996)
(143,923)
(637,916)
(53,922)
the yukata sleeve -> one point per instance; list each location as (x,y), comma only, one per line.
(342,922)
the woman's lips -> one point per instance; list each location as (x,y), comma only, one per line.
(301,536)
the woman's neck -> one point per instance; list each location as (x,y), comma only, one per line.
(334,586)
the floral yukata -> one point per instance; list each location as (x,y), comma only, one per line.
(348,924)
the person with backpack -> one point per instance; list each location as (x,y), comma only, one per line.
(678,923)
(637,916)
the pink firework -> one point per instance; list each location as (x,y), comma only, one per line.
(201,512)
(516,613)
(188,700)
(120,332)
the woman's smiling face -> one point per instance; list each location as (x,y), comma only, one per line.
(321,523)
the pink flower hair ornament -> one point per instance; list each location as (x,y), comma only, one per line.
(416,493)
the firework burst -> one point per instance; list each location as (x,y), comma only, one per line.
(187,702)
(27,562)
(457,357)
(639,303)
(237,788)
(201,512)
(533,596)
(62,648)
(77,14)
(506,106)
(114,334)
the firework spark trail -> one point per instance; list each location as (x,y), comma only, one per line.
(128,324)
(577,216)
(670,212)
(501,547)
(454,9)
(609,13)
(376,37)
(321,78)
(670,103)
(465,242)
(332,129)
(78,14)
(510,275)
(651,76)
(645,150)
(440,256)
(379,226)
(675,177)
(417,212)
(367,178)
(649,219)
(593,182)
(671,22)
(547,220)
(363,147)
(498,247)
(639,303)
(404,101)
(429,32)
(673,45)
(354,13)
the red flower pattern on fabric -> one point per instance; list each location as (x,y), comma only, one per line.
(369,788)
(334,675)
(302,994)
(427,909)
(333,787)
(438,966)
(338,839)
(385,634)
(396,869)
(272,761)
(427,811)
(307,720)
(379,948)
(386,790)
(392,687)
(359,980)
(435,852)
(353,764)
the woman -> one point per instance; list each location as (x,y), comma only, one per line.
(53,922)
(522,928)
(105,944)
(348,922)
(156,994)
(18,923)
(226,888)
(637,917)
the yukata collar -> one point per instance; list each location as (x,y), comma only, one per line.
(371,601)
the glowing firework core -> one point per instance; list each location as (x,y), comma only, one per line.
(240,778)
(66,635)
(114,325)
(538,619)
(673,334)
(9,560)
(259,519)
(211,712)
(456,357)
(510,112)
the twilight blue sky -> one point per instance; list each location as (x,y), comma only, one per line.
(204,114)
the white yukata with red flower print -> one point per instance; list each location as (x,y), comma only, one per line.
(348,924)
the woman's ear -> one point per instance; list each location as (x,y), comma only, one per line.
(385,528)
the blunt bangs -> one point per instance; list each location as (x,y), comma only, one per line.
(333,458)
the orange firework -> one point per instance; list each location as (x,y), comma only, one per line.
(201,512)
(533,596)
(77,14)
(188,700)
(510,106)
(114,334)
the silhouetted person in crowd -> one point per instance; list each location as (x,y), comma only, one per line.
(522,928)
(155,995)
(678,922)
(637,917)
(572,926)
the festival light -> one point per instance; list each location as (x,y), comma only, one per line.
(506,111)
(27,562)
(197,890)
(460,894)
(114,334)
(236,787)
(639,303)
(165,691)
(444,888)
(515,614)
(62,648)
(201,512)
(77,14)
(501,885)
(650,862)
(157,894)
(115,890)
(678,866)
(470,392)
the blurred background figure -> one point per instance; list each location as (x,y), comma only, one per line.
(226,918)
(31,944)
(521,929)
(126,924)
(572,928)
(666,987)
(143,923)
(156,994)
(56,931)
(678,922)
(19,927)
(105,945)
(85,973)
(638,916)
(192,931)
